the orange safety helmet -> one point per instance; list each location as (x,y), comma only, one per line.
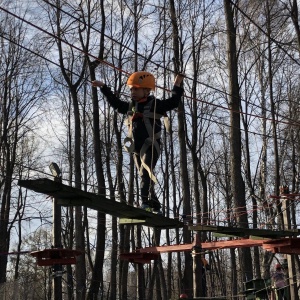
(141,79)
(183,296)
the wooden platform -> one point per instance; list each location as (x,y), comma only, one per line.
(70,196)
(287,246)
(246,232)
(283,245)
(237,243)
(56,256)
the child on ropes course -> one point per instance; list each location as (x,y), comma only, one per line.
(279,281)
(144,112)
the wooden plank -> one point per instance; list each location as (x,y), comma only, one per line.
(69,196)
(136,257)
(240,243)
(285,245)
(231,244)
(168,248)
(56,261)
(255,237)
(123,221)
(222,235)
(56,256)
(245,232)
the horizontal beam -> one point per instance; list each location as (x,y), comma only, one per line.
(285,245)
(69,196)
(246,232)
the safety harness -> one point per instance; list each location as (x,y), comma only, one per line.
(151,141)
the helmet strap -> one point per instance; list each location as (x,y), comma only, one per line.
(147,92)
(143,100)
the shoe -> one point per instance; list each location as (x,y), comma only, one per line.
(157,211)
(146,207)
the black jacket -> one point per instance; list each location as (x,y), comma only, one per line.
(139,130)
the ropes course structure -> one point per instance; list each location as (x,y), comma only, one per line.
(284,241)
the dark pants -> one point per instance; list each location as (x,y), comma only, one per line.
(147,187)
(280,294)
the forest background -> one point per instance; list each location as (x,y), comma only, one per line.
(234,139)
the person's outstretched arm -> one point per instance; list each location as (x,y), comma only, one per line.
(113,100)
(178,79)
(98,83)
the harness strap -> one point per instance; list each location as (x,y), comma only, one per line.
(128,141)
(148,143)
(167,123)
(151,141)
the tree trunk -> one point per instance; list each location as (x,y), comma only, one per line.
(97,272)
(238,185)
(273,116)
(188,275)
(295,19)
(80,270)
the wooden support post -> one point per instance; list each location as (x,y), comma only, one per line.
(197,271)
(57,269)
(292,282)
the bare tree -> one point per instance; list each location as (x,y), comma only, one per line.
(73,68)
(238,185)
(178,65)
(22,92)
